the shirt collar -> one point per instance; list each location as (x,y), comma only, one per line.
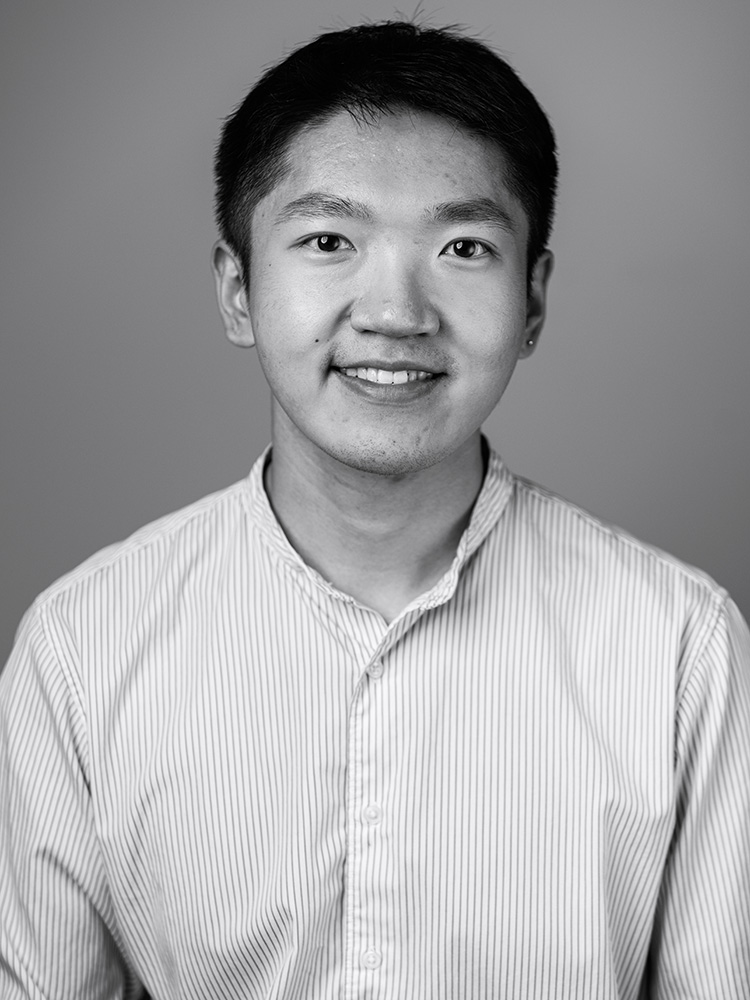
(491,502)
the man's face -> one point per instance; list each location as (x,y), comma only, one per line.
(387,291)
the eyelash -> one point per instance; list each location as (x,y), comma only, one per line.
(486,250)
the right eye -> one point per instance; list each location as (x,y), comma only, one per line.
(328,243)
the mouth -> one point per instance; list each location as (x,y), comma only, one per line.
(387,383)
(386,376)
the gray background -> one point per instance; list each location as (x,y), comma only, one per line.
(120,398)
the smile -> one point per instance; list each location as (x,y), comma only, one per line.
(384,377)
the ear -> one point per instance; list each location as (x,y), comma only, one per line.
(536,303)
(231,295)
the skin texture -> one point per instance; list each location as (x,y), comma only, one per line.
(383,476)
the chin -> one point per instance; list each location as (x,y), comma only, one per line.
(386,459)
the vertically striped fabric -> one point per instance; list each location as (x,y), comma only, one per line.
(222,778)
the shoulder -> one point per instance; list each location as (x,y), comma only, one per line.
(598,579)
(626,606)
(156,553)
(588,543)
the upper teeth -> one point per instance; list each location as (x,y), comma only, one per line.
(387,377)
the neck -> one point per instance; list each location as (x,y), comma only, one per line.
(382,539)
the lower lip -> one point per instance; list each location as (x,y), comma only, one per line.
(385,392)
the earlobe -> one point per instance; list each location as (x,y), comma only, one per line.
(231,295)
(536,304)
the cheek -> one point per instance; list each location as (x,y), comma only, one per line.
(293,315)
(494,332)
(279,323)
(291,345)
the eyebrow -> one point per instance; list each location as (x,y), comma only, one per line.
(315,204)
(474,210)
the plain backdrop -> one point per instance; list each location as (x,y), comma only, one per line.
(120,398)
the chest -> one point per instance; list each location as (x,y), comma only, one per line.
(479,804)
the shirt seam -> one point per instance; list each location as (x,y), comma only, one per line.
(74,688)
(692,670)
(72,684)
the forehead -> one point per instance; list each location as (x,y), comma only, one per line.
(403,160)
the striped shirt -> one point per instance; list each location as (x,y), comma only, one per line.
(221,777)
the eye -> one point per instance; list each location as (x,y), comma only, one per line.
(466,249)
(327,243)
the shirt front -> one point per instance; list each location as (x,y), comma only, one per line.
(221,777)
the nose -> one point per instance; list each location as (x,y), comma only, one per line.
(394,300)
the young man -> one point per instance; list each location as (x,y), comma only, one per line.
(381,720)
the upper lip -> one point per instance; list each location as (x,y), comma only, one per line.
(405,365)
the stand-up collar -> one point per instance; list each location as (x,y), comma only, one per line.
(489,507)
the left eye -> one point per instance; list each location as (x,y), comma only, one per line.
(328,243)
(466,249)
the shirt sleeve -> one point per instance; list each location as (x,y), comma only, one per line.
(56,920)
(701,941)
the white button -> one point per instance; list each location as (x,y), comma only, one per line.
(372,958)
(376,669)
(372,814)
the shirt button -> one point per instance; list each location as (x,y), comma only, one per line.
(376,669)
(372,959)
(372,814)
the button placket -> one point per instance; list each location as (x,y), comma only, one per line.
(367,835)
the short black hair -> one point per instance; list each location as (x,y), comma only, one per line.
(373,69)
